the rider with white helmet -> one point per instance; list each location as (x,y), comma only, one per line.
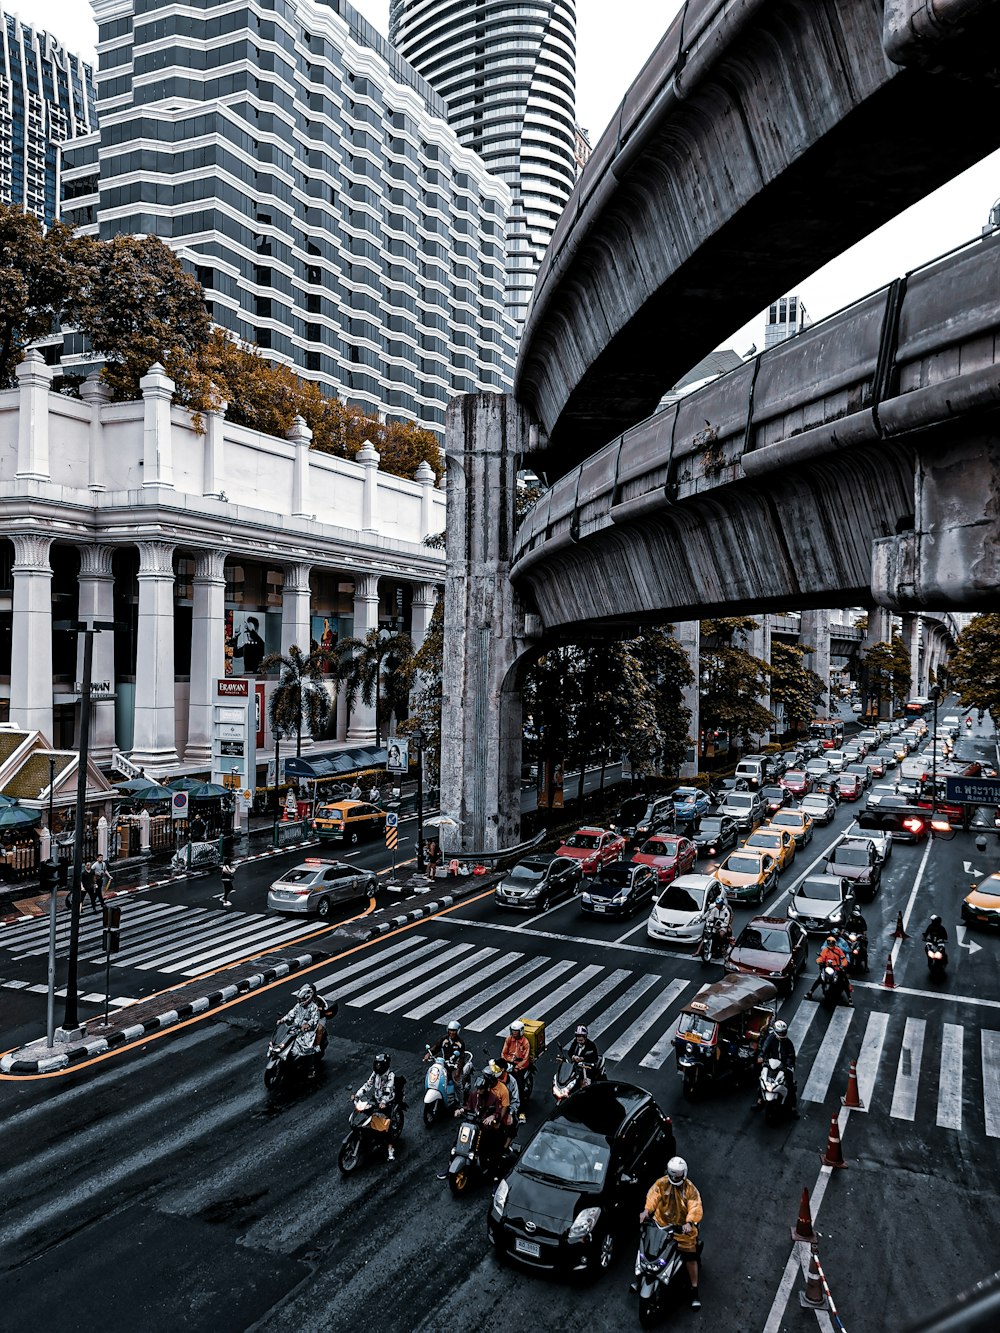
(674,1201)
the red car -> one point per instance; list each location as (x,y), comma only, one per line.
(593,848)
(669,856)
(797,781)
(849,786)
(772,947)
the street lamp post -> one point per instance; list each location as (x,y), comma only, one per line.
(418,740)
(935,693)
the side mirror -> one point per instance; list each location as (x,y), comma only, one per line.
(626,1179)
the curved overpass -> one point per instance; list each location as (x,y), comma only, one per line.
(761,139)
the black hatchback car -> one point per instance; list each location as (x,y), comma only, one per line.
(538,881)
(716,834)
(620,889)
(578,1186)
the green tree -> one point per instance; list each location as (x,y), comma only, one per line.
(379,668)
(886,671)
(666,667)
(427,671)
(793,684)
(300,694)
(550,698)
(733,681)
(38,271)
(615,712)
(974,666)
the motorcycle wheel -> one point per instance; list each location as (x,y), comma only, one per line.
(398,1120)
(529,1084)
(272,1074)
(605,1255)
(458,1182)
(431,1110)
(690,1085)
(649,1308)
(350,1153)
(772,1113)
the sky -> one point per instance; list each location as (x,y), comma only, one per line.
(613,43)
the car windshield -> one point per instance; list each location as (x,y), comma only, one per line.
(683,794)
(528,874)
(710,827)
(659,847)
(675,898)
(773,793)
(815,802)
(633,812)
(744,865)
(695,1025)
(585,841)
(852,856)
(822,892)
(768,941)
(738,800)
(618,874)
(765,841)
(794,775)
(301,876)
(786,819)
(560,1152)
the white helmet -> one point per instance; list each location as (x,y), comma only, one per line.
(517,1028)
(677,1170)
(306,992)
(780,1027)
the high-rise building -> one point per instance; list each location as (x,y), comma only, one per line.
(46,97)
(507,71)
(308,177)
(785,318)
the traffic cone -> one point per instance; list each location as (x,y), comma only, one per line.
(834,1155)
(900,931)
(853,1097)
(814,1297)
(889,981)
(803,1229)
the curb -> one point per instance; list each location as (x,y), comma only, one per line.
(416,914)
(49,1062)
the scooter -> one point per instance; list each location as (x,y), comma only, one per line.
(283,1064)
(659,1266)
(714,943)
(570,1077)
(775,1089)
(477,1154)
(833,982)
(444,1086)
(857,959)
(937,958)
(372,1129)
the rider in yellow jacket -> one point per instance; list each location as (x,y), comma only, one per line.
(674,1200)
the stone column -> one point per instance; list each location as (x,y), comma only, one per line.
(425,478)
(157,447)
(95,393)
(300,436)
(296,608)
(368,456)
(879,631)
(361,726)
(31,634)
(422,609)
(34,381)
(814,633)
(484,624)
(154,738)
(215,468)
(688,635)
(912,632)
(208,650)
(97,602)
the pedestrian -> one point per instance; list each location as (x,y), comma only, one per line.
(197,829)
(375,796)
(103,876)
(228,876)
(434,857)
(356,791)
(88,885)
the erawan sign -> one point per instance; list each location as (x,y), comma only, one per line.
(233,688)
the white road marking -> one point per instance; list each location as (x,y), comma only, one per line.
(990,1044)
(611,1015)
(368,997)
(870,1056)
(568,939)
(564,991)
(498,987)
(633,930)
(570,1017)
(802,1022)
(475,960)
(500,965)
(908,910)
(904,1094)
(646,1020)
(514,1002)
(949,1106)
(818,1086)
(224,949)
(359,965)
(357,982)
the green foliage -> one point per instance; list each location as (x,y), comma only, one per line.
(732,681)
(794,685)
(379,667)
(427,671)
(886,668)
(974,666)
(665,665)
(301,694)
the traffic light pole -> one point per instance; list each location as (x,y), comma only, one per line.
(50,1013)
(71,1019)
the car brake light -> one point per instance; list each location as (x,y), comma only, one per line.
(941,825)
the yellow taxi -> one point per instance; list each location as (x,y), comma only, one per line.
(779,842)
(748,874)
(982,906)
(348,821)
(795,822)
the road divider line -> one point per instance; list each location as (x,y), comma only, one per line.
(913,897)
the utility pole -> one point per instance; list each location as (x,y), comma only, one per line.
(418,740)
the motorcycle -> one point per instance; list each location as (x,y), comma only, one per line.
(372,1128)
(520,1083)
(283,1062)
(444,1086)
(857,958)
(477,1154)
(937,958)
(715,941)
(775,1089)
(833,982)
(570,1077)
(659,1266)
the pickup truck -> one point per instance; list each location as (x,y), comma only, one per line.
(882,842)
(856,860)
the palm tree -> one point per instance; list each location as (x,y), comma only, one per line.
(379,668)
(300,691)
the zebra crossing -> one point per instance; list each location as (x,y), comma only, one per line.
(169,938)
(908,1067)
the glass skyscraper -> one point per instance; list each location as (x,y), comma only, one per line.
(507,72)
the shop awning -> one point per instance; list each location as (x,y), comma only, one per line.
(339,765)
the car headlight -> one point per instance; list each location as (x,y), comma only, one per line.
(584,1223)
(587,897)
(500,1197)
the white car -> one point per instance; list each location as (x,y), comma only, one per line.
(951,724)
(835,759)
(678,915)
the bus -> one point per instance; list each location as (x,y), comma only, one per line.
(829,731)
(918,707)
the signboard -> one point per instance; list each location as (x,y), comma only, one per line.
(973,791)
(392,820)
(230,747)
(288,833)
(259,701)
(234,733)
(179,805)
(235,687)
(398,760)
(232,780)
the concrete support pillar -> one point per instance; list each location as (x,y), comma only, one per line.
(214,472)
(296,608)
(154,742)
(688,635)
(361,726)
(912,632)
(484,624)
(368,456)
(157,447)
(31,634)
(424,475)
(34,381)
(208,650)
(760,647)
(879,627)
(97,602)
(422,608)
(95,393)
(300,435)
(815,634)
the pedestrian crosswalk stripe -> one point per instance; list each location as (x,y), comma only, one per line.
(570,1017)
(645,1021)
(333,980)
(870,1055)
(393,983)
(146,941)
(428,1006)
(801,1023)
(230,948)
(568,988)
(359,983)
(497,988)
(990,1045)
(904,1093)
(486,1020)
(611,1015)
(828,1056)
(38,942)
(949,1106)
(476,959)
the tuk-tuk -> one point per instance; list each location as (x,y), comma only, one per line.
(720,1030)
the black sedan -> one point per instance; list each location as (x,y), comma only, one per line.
(538,881)
(776,798)
(620,889)
(578,1186)
(716,834)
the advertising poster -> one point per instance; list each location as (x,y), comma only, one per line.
(398,760)
(325,633)
(250,636)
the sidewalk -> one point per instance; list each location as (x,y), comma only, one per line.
(190,999)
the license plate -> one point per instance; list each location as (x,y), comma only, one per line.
(600,907)
(529,1247)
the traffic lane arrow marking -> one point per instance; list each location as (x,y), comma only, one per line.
(970,869)
(972,946)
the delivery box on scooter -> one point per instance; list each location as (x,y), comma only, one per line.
(534,1030)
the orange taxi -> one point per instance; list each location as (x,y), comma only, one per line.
(780,842)
(796,822)
(748,874)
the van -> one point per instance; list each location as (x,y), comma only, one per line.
(348,821)
(751,771)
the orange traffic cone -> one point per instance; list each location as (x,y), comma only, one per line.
(889,981)
(834,1155)
(814,1297)
(900,931)
(853,1097)
(803,1229)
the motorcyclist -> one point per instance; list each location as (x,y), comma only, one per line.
(968,724)
(584,1053)
(380,1089)
(832,954)
(513,1115)
(778,1044)
(719,918)
(306,1017)
(517,1053)
(936,931)
(674,1200)
(452,1047)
